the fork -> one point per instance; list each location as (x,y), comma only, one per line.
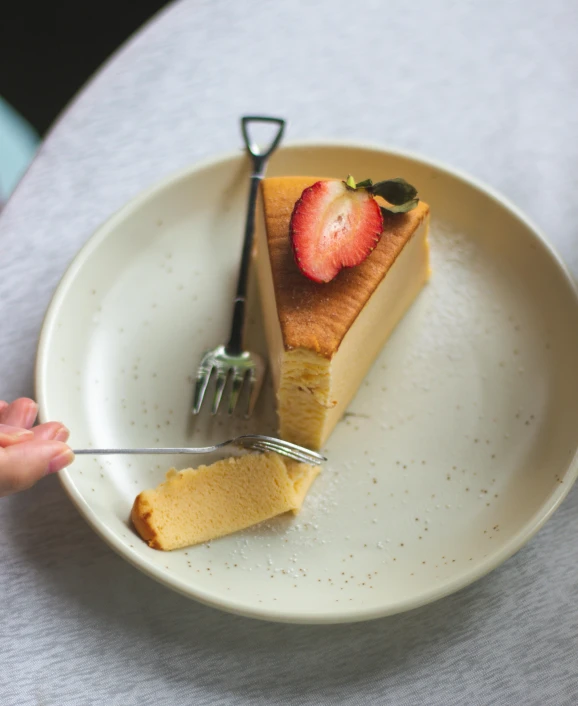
(249,442)
(231,360)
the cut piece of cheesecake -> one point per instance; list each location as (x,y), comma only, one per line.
(196,505)
(323,337)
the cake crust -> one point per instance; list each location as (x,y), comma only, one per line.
(140,516)
(317,316)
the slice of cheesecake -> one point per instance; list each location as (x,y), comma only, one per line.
(323,337)
(199,504)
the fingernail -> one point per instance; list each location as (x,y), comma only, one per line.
(31,414)
(61,461)
(61,434)
(10,433)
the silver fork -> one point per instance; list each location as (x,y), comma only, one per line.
(231,360)
(249,442)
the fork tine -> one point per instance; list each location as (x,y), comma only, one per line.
(269,443)
(238,379)
(201,384)
(255,380)
(312,456)
(219,388)
(289,453)
(295,454)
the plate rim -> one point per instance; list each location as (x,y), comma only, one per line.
(229,605)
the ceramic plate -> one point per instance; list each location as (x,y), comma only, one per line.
(458,446)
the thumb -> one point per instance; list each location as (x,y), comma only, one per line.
(21,465)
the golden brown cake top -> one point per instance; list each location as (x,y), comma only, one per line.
(317,316)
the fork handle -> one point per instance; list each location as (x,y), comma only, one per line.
(260,158)
(167,450)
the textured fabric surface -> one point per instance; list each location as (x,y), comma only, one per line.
(490,87)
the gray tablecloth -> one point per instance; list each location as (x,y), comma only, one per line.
(489,87)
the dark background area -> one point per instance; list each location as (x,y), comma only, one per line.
(48,50)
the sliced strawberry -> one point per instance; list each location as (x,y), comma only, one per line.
(333,226)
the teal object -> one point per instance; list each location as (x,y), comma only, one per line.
(18,144)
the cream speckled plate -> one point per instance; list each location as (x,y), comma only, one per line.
(459,445)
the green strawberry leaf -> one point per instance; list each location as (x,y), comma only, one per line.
(396,191)
(401,195)
(400,208)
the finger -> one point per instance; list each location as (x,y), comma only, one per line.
(3,406)
(14,435)
(21,465)
(20,413)
(49,431)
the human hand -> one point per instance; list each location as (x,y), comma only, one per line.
(26,454)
